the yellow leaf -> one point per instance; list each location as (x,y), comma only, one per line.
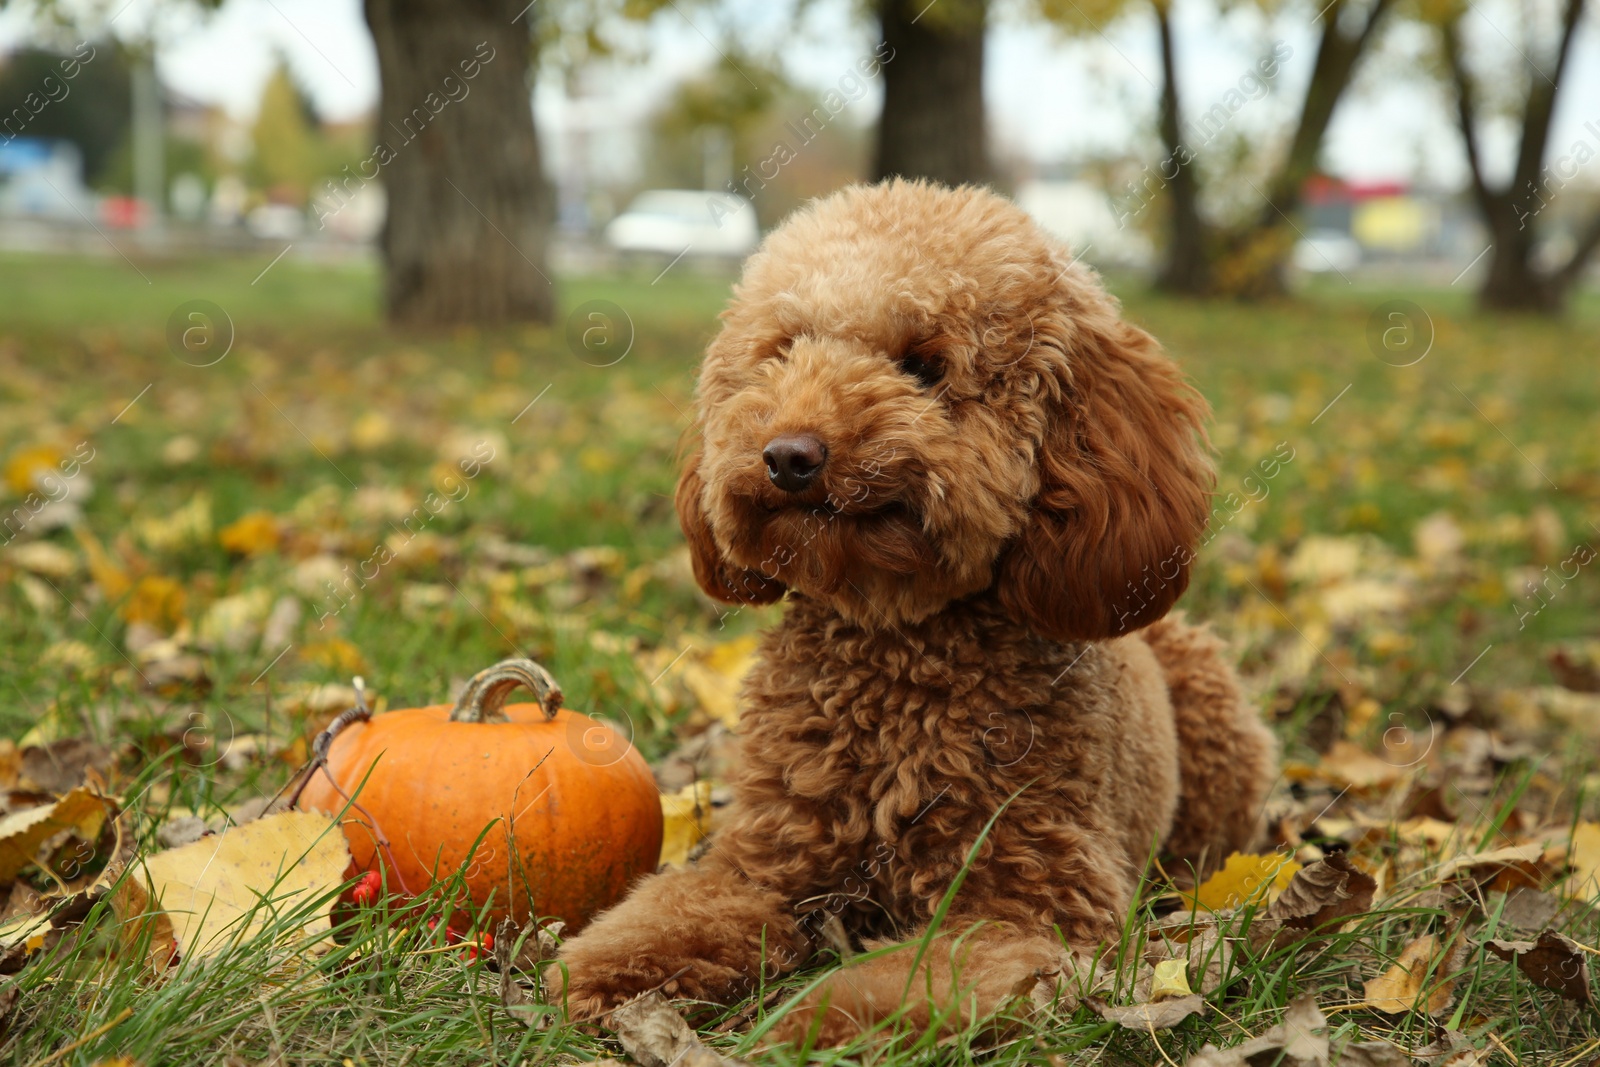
(22,832)
(335,653)
(1501,869)
(1350,765)
(69,656)
(112,579)
(372,429)
(25,466)
(714,678)
(1171,980)
(1584,856)
(1400,988)
(1425,831)
(687,819)
(231,885)
(157,601)
(43,557)
(1245,878)
(190,524)
(252,535)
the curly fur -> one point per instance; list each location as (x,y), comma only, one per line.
(1014,483)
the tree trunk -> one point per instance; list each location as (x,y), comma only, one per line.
(1260,252)
(932,125)
(1514,282)
(1187,269)
(469,210)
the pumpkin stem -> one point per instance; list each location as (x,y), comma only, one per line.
(484,698)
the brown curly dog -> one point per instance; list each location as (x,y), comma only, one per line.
(981,490)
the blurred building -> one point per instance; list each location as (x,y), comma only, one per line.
(42,178)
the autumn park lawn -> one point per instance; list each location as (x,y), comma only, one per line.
(1401,555)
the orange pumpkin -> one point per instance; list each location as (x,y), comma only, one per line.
(571,810)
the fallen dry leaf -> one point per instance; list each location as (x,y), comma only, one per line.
(20,937)
(61,765)
(1371,1054)
(1584,856)
(686,821)
(1499,869)
(1529,909)
(1401,988)
(1244,878)
(654,1035)
(1150,1015)
(1323,895)
(713,678)
(538,949)
(508,959)
(1170,979)
(8,1004)
(1350,766)
(80,811)
(1552,962)
(229,886)
(1207,955)
(1294,1042)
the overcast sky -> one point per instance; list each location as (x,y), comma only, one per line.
(1050,98)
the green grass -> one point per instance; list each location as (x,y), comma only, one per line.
(321,416)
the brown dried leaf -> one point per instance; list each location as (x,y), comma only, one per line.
(8,1004)
(1529,909)
(518,1004)
(654,1035)
(1151,1015)
(1325,892)
(1552,962)
(1401,988)
(20,937)
(1317,900)
(1351,766)
(1501,869)
(81,811)
(1452,1049)
(1371,1054)
(62,765)
(183,830)
(535,951)
(1294,1042)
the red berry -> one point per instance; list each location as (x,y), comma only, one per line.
(367,888)
(488,941)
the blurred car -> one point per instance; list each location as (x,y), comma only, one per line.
(1322,251)
(671,222)
(276,222)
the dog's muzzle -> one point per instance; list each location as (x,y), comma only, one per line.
(794,460)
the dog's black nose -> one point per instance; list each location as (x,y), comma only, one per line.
(794,460)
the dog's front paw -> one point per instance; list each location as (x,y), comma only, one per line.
(584,997)
(592,985)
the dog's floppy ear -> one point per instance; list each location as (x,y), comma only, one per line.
(720,579)
(1125,479)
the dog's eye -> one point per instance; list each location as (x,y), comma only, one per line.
(925,367)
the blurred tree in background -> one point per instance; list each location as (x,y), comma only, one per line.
(1245,254)
(722,130)
(285,140)
(933,122)
(470,209)
(94,113)
(1519,277)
